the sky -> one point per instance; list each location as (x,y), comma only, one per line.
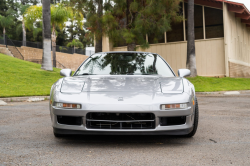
(245,2)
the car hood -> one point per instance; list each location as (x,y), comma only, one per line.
(146,84)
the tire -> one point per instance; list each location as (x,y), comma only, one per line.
(58,135)
(196,119)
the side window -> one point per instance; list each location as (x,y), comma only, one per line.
(214,23)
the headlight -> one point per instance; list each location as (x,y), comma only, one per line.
(68,105)
(173,106)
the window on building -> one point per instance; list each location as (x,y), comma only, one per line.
(198,21)
(214,23)
(176,34)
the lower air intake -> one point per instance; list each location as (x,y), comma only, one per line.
(120,121)
(69,120)
(171,121)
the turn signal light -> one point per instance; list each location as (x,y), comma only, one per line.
(68,105)
(173,106)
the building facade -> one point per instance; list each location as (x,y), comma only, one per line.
(222,39)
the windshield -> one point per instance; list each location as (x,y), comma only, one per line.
(125,64)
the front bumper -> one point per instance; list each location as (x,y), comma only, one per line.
(158,130)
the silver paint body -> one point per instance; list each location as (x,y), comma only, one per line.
(103,93)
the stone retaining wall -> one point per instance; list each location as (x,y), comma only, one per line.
(239,70)
(71,61)
(5,51)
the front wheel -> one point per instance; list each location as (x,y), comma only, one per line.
(196,118)
(58,135)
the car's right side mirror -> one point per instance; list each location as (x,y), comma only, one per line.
(184,72)
(66,72)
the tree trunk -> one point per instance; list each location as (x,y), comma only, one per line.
(131,47)
(98,36)
(54,46)
(24,33)
(191,60)
(46,61)
(4,38)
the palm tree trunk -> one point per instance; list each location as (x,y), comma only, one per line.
(191,59)
(24,33)
(54,46)
(98,36)
(4,38)
(46,61)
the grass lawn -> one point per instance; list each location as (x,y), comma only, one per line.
(211,84)
(22,78)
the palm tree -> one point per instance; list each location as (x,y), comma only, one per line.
(191,60)
(75,43)
(6,22)
(33,15)
(21,27)
(46,61)
(59,15)
(98,45)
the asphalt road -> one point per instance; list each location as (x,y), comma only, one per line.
(222,138)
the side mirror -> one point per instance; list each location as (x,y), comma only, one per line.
(66,72)
(184,72)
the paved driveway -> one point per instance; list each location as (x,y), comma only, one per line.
(223,138)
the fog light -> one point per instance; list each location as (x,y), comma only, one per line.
(68,105)
(173,106)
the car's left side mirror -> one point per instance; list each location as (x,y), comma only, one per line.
(66,72)
(184,72)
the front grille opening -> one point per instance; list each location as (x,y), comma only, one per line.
(120,120)
(170,121)
(69,120)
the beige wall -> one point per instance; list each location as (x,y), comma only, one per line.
(237,44)
(209,55)
(71,61)
(106,44)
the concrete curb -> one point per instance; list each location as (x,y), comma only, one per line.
(21,99)
(223,93)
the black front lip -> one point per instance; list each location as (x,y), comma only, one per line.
(80,132)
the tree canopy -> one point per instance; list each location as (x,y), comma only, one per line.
(131,20)
(75,43)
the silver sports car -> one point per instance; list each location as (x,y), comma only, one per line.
(124,93)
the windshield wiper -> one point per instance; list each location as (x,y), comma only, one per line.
(148,74)
(140,74)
